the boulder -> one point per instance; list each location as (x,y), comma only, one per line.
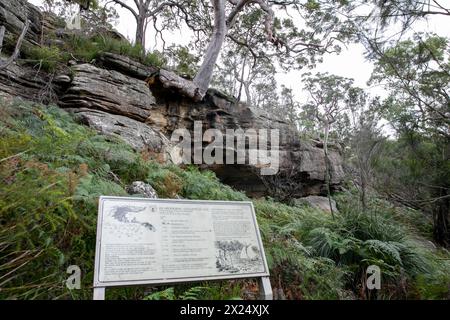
(143,189)
(135,133)
(138,135)
(321,203)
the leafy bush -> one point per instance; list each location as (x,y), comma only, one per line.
(45,58)
(86,49)
(206,186)
(48,200)
(89,48)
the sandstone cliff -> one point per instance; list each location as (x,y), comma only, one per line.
(111,95)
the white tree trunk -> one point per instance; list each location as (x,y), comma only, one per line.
(247,93)
(327,165)
(204,75)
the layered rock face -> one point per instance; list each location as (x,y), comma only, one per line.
(19,81)
(13,14)
(118,96)
(122,103)
(110,91)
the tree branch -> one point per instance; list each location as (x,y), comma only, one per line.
(238,8)
(124,5)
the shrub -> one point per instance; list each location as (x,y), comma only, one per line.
(206,186)
(45,58)
(89,48)
(48,201)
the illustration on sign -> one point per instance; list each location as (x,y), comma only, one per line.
(160,241)
(235,256)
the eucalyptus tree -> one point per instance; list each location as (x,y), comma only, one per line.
(244,64)
(264,95)
(327,97)
(363,136)
(292,46)
(293,33)
(93,14)
(145,11)
(289,107)
(416,73)
(406,12)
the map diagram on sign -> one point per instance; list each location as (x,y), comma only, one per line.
(128,221)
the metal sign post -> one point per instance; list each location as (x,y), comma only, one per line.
(265,289)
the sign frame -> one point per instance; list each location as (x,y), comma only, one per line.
(100,286)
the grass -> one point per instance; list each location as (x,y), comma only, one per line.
(52,171)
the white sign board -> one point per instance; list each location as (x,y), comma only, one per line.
(150,241)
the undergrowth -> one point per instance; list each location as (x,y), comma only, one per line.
(53,170)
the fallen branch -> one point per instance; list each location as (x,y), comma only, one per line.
(2,36)
(13,57)
(14,156)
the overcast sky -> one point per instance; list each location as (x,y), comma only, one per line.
(349,63)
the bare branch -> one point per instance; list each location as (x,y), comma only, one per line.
(13,57)
(124,5)
(238,8)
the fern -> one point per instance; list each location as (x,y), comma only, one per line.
(388,251)
(194,293)
(167,294)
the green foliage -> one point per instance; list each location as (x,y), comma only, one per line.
(208,291)
(167,183)
(182,61)
(50,183)
(304,244)
(167,294)
(170,181)
(45,58)
(435,285)
(206,186)
(65,167)
(89,48)
(155,58)
(301,274)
